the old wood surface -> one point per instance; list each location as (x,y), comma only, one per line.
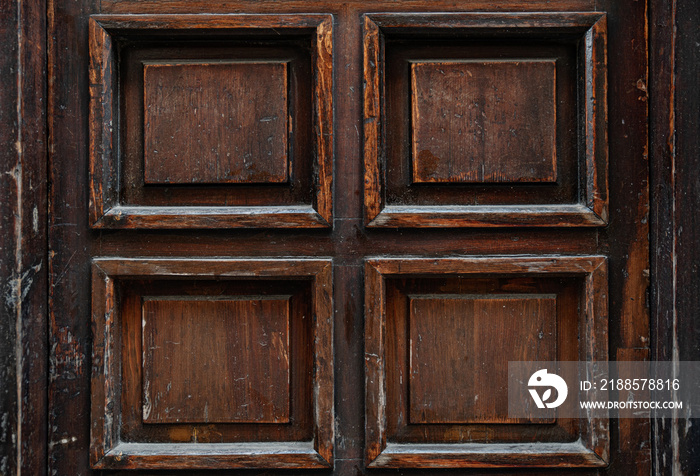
(495,124)
(131,134)
(187,142)
(675,154)
(24,364)
(390,420)
(72,245)
(123,433)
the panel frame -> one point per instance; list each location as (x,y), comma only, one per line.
(592,207)
(106,209)
(592,449)
(106,449)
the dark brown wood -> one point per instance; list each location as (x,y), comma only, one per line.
(136,396)
(460,346)
(483,121)
(572,137)
(623,240)
(228,359)
(675,195)
(215,122)
(581,335)
(23,235)
(124,173)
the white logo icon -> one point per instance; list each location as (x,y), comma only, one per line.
(542,379)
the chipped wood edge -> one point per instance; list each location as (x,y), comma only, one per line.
(323,104)
(595,112)
(145,456)
(101,122)
(324,395)
(147,217)
(486,216)
(373,142)
(375,373)
(488,455)
(104,433)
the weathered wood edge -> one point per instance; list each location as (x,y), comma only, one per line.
(486,216)
(324,394)
(487,455)
(144,217)
(147,456)
(122,22)
(581,21)
(596,435)
(104,433)
(372,136)
(23,238)
(323,104)
(375,373)
(102,175)
(595,106)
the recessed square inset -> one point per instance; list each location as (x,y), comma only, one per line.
(211,121)
(460,346)
(217,122)
(212,363)
(484,121)
(227,358)
(439,335)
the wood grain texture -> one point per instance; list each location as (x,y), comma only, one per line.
(674,159)
(589,203)
(216,360)
(383,354)
(215,122)
(111,206)
(484,121)
(460,346)
(72,245)
(125,407)
(23,239)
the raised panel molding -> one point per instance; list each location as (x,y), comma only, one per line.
(217,122)
(227,359)
(439,333)
(202,363)
(504,123)
(483,121)
(250,121)
(458,340)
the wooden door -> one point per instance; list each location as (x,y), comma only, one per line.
(310,235)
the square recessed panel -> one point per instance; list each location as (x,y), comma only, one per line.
(460,346)
(484,121)
(211,121)
(227,359)
(439,334)
(223,122)
(212,363)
